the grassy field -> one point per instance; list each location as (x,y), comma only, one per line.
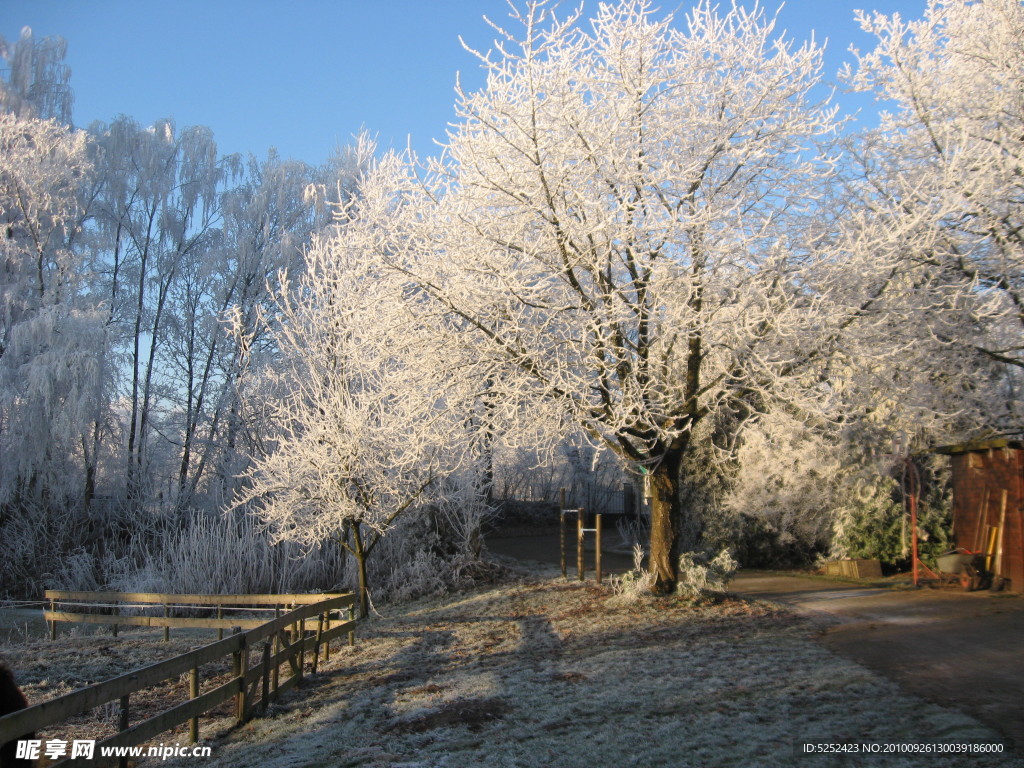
(536,671)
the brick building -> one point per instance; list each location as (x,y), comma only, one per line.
(988,503)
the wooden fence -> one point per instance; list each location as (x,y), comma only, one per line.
(283,641)
(129,608)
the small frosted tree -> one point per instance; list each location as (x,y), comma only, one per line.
(357,434)
(618,227)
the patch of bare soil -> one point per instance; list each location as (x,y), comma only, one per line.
(472,714)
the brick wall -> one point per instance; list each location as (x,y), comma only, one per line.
(980,480)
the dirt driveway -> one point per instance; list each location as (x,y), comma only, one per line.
(964,650)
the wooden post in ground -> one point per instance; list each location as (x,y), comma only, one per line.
(220,615)
(122,725)
(117,612)
(327,645)
(561,540)
(597,547)
(998,563)
(193,693)
(580,568)
(352,632)
(275,674)
(562,530)
(240,667)
(167,630)
(301,648)
(53,624)
(265,664)
(318,642)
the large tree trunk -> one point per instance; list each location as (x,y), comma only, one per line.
(666,521)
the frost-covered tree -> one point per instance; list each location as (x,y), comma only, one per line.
(619,226)
(941,177)
(49,355)
(36,82)
(264,221)
(157,221)
(180,237)
(268,220)
(358,434)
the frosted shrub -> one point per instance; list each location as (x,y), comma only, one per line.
(76,571)
(422,556)
(462,512)
(698,575)
(633,585)
(873,522)
(38,543)
(422,575)
(783,491)
(634,531)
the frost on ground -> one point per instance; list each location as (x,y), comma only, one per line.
(543,672)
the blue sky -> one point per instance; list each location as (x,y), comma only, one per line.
(304,75)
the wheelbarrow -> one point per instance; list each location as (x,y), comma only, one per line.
(963,567)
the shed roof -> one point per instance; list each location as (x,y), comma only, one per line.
(980,445)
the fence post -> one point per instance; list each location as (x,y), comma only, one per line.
(265,662)
(579,543)
(597,546)
(193,693)
(53,624)
(562,530)
(117,612)
(220,615)
(561,541)
(122,725)
(316,642)
(301,641)
(351,632)
(243,692)
(167,630)
(241,666)
(275,674)
(327,645)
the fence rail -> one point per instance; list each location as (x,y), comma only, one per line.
(116,602)
(282,641)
